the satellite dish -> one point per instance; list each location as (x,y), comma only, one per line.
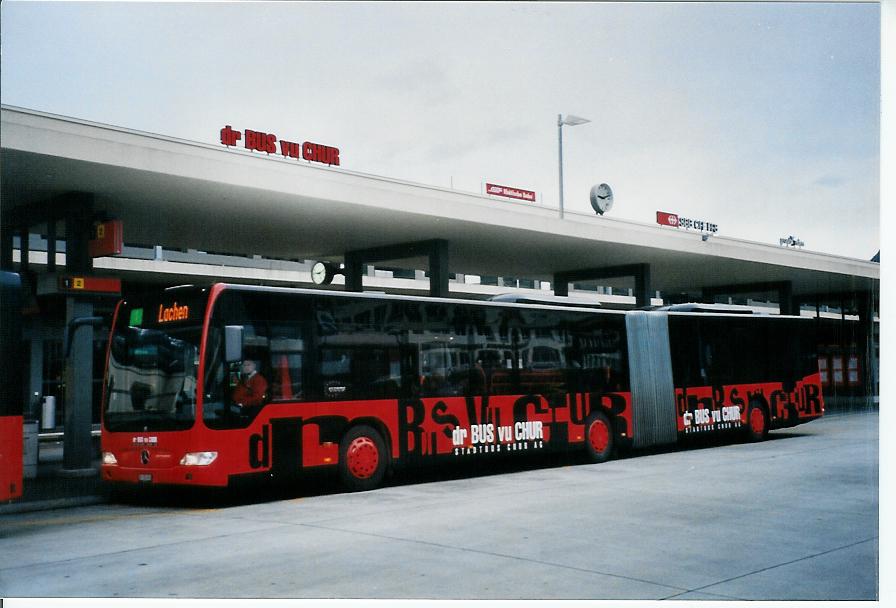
(601,198)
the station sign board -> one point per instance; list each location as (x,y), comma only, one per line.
(89,285)
(260,141)
(508,192)
(676,221)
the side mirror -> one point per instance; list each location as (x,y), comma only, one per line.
(233,343)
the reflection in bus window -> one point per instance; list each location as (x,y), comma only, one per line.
(542,343)
(359,366)
(152,379)
(444,368)
(545,357)
(599,358)
(357,357)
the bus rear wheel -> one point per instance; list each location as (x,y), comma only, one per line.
(757,423)
(363,459)
(599,437)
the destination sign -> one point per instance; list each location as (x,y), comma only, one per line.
(174,312)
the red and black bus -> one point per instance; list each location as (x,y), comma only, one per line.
(364,382)
(11,396)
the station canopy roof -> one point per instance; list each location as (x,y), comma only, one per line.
(187,195)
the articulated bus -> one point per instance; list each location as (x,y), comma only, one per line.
(360,383)
(11,398)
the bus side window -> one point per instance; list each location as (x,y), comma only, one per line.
(596,356)
(495,356)
(684,344)
(544,366)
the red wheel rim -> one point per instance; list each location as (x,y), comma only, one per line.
(757,421)
(599,436)
(362,457)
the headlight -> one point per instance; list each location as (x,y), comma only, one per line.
(109,458)
(198,459)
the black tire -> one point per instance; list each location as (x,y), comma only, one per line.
(600,440)
(363,459)
(757,423)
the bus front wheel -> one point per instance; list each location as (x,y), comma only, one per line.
(599,437)
(363,459)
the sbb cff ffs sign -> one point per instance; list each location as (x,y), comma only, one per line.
(667,219)
(260,141)
(676,221)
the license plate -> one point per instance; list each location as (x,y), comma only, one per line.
(144,477)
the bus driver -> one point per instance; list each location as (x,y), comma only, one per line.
(251,387)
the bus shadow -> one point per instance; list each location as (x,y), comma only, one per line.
(705,442)
(322,483)
(486,467)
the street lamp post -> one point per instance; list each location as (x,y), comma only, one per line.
(571,121)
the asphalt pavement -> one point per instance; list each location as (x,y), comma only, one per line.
(792,518)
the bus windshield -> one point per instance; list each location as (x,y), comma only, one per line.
(151,382)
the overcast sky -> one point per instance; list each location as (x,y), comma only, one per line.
(763,118)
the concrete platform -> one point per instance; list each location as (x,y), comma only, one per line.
(54,488)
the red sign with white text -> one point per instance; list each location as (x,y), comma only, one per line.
(523,195)
(667,219)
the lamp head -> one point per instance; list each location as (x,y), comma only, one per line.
(573,120)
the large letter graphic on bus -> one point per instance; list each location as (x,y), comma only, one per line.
(259,449)
(578,407)
(811,399)
(411,426)
(440,416)
(521,407)
(735,399)
(279,446)
(616,405)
